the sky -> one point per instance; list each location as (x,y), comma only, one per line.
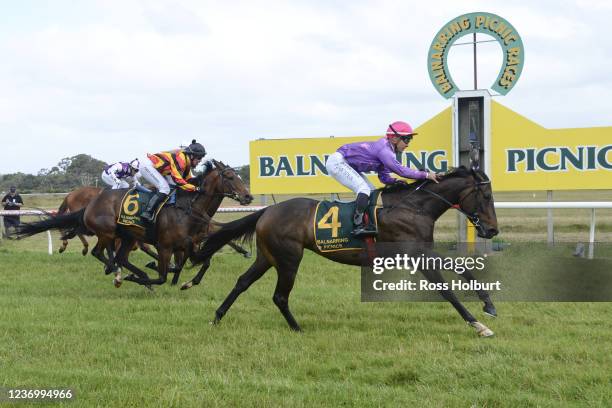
(118,79)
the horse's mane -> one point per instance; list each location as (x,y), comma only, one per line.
(453,172)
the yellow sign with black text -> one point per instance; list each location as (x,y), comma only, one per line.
(524,156)
(297,166)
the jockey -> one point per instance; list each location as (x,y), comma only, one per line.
(351,160)
(170,168)
(121,175)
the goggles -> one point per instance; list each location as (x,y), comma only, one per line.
(404,138)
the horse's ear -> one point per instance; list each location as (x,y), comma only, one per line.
(216,163)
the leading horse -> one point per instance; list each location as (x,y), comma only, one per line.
(284,230)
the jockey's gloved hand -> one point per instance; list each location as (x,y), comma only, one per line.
(208,166)
(400,182)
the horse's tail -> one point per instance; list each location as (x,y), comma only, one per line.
(69,224)
(63,208)
(244,227)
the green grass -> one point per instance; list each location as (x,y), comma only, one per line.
(65,325)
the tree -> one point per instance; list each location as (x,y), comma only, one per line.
(70,172)
(245,173)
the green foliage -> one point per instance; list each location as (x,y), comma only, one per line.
(70,172)
(244,172)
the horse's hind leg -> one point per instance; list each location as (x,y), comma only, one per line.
(62,248)
(489,307)
(179,259)
(98,251)
(110,250)
(256,271)
(84,242)
(287,271)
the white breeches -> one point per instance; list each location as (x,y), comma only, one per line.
(153,176)
(112,183)
(339,169)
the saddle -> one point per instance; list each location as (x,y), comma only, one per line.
(134,203)
(333,224)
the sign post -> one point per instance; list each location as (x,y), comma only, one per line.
(471,128)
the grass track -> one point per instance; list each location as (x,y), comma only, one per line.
(64,324)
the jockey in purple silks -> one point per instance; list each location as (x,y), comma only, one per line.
(351,160)
(121,175)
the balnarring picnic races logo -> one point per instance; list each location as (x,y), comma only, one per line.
(485,23)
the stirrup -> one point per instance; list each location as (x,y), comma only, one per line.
(364,231)
(147,217)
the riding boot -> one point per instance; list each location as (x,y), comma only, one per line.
(361,228)
(149,212)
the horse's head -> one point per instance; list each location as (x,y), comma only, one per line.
(476,200)
(224,180)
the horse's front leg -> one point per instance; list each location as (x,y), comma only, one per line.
(435,276)
(239,249)
(489,307)
(198,278)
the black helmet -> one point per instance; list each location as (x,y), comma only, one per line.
(195,149)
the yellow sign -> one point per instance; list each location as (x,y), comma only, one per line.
(297,166)
(527,156)
(524,156)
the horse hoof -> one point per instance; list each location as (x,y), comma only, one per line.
(482,330)
(61,250)
(248,255)
(84,251)
(186,285)
(117,283)
(486,333)
(490,310)
(152,265)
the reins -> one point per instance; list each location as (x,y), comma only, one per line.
(473,217)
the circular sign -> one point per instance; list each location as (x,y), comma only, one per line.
(485,23)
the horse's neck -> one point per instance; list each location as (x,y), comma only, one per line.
(424,200)
(210,201)
(450,189)
(214,204)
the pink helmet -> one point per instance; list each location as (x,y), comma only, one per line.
(400,128)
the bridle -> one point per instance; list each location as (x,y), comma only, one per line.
(473,216)
(224,180)
(233,194)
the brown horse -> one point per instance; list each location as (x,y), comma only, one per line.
(227,183)
(75,201)
(82,196)
(408,215)
(176,230)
